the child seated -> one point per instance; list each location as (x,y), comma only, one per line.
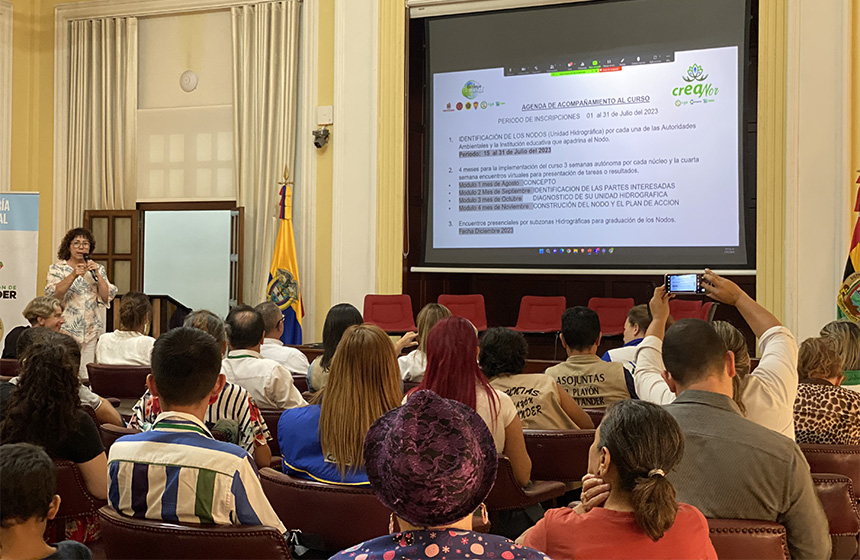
(28,484)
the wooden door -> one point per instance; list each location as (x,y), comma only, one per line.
(117,246)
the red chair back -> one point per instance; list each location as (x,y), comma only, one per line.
(708,310)
(122,382)
(391,313)
(8,368)
(272,416)
(685,308)
(331,517)
(76,504)
(839,501)
(834,459)
(128,538)
(596,415)
(741,539)
(539,366)
(540,314)
(612,313)
(110,433)
(470,306)
(300,381)
(507,494)
(559,454)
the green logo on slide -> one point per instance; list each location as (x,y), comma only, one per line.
(472,89)
(694,74)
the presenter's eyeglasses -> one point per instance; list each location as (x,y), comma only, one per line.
(80,244)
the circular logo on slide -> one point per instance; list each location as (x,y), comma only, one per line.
(468,105)
(459,106)
(483,104)
(472,89)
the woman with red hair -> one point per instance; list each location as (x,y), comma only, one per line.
(453,373)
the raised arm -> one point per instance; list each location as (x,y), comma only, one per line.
(725,291)
(648,377)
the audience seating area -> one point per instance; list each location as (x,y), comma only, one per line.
(77,505)
(125,537)
(839,499)
(122,382)
(560,455)
(742,539)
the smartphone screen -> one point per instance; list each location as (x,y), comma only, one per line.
(684,283)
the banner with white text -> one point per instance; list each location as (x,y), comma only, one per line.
(19,245)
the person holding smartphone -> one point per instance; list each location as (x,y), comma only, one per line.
(770,389)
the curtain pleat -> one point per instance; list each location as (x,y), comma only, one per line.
(100,172)
(265,96)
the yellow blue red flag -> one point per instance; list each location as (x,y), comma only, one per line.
(848,299)
(283,287)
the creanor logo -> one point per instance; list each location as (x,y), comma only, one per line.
(472,89)
(694,74)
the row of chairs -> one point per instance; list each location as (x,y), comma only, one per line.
(537,314)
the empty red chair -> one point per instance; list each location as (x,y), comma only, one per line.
(391,313)
(470,306)
(685,308)
(540,314)
(612,313)
(708,310)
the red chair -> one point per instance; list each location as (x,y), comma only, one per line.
(685,308)
(709,308)
(110,433)
(391,313)
(839,501)
(77,514)
(131,538)
(540,314)
(560,455)
(470,306)
(122,382)
(539,366)
(740,539)
(612,313)
(8,368)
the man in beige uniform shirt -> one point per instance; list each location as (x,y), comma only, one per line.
(591,382)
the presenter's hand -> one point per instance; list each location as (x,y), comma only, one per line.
(92,265)
(659,304)
(80,269)
(721,289)
(408,340)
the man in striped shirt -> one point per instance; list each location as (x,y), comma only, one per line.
(177,471)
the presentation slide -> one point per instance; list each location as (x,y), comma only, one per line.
(589,154)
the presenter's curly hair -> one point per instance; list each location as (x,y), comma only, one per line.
(64,253)
(43,409)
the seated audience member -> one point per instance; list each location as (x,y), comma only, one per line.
(824,412)
(733,468)
(42,311)
(325,441)
(105,412)
(129,345)
(234,411)
(541,403)
(28,484)
(45,409)
(272,348)
(845,337)
(432,499)
(177,471)
(635,325)
(588,379)
(453,373)
(735,343)
(337,320)
(412,365)
(635,447)
(269,383)
(768,393)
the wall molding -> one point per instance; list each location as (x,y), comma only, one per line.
(354,146)
(6,14)
(306,165)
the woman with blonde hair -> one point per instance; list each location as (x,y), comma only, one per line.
(412,365)
(325,441)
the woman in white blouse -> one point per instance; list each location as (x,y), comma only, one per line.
(412,365)
(129,345)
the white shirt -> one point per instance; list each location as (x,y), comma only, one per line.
(269,383)
(505,414)
(412,365)
(291,358)
(771,387)
(124,348)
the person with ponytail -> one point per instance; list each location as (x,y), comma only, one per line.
(45,409)
(453,373)
(635,446)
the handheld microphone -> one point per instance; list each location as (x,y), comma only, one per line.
(93,272)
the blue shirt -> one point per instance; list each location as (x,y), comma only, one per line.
(301,450)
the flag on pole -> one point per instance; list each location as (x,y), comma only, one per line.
(283,286)
(848,299)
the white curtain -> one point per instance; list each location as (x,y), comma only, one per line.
(265,93)
(102,117)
